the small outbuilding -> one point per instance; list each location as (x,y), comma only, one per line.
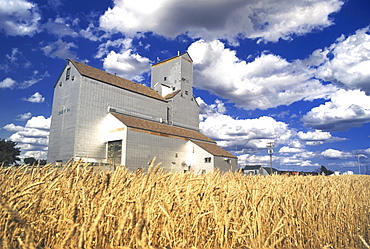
(258,170)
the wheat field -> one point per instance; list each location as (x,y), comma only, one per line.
(80,207)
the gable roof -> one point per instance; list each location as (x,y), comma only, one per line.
(171,95)
(156,127)
(214,149)
(186,54)
(114,80)
(268,169)
(252,167)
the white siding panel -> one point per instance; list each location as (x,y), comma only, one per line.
(223,164)
(143,147)
(197,157)
(95,98)
(64,117)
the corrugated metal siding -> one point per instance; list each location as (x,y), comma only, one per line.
(185,112)
(143,147)
(224,165)
(78,132)
(64,117)
(94,103)
(197,157)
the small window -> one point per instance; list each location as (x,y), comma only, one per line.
(186,93)
(207,160)
(60,83)
(165,78)
(204,171)
(68,73)
(173,88)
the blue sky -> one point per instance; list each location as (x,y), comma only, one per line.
(296,73)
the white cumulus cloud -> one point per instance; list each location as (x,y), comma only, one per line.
(39,122)
(350,63)
(288,150)
(19,17)
(123,44)
(35,98)
(7,83)
(346,109)
(268,20)
(314,135)
(33,137)
(24,116)
(60,49)
(268,81)
(128,64)
(335,154)
(242,134)
(60,27)
(13,127)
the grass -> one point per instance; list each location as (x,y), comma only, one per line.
(78,207)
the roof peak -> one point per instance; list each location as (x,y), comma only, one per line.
(174,57)
(112,79)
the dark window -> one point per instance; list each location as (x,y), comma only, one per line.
(186,92)
(68,73)
(207,160)
(165,78)
(168,115)
(114,152)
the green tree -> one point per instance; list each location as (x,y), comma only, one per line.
(33,161)
(324,170)
(9,152)
(30,160)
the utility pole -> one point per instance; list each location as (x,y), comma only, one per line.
(358,162)
(270,151)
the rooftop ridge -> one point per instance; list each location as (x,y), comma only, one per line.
(100,75)
(172,58)
(153,126)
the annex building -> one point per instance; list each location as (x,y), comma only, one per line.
(102,118)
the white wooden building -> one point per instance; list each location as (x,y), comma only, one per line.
(102,118)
